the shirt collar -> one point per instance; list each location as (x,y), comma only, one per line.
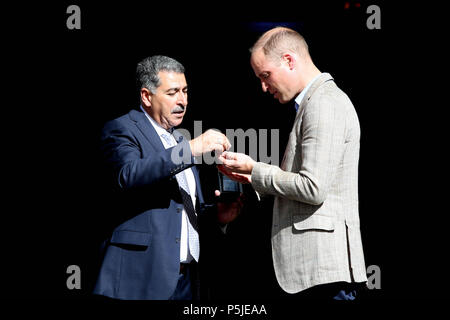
(299,98)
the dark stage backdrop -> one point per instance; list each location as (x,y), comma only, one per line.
(67,83)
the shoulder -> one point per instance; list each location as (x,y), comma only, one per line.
(125,122)
(123,127)
(328,97)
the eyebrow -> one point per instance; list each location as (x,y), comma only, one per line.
(175,89)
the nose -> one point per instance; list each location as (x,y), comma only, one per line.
(182,98)
(264,86)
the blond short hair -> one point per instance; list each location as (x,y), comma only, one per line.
(280,40)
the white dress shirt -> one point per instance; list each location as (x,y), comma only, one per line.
(185,256)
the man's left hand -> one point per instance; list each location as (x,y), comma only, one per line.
(237,162)
(228,211)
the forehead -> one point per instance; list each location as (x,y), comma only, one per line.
(260,63)
(172,79)
(257,58)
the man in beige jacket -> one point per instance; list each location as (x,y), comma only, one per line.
(316,240)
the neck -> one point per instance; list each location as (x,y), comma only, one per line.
(307,75)
(157,119)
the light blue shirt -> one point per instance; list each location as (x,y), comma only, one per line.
(299,98)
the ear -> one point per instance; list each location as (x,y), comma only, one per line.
(146,97)
(289,60)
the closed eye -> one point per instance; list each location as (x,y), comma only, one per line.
(173,92)
(265,75)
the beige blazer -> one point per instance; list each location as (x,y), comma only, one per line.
(316,237)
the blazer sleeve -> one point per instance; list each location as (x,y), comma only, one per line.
(321,142)
(122,152)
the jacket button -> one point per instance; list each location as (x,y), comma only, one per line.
(179,210)
(177,240)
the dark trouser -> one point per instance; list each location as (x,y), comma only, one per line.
(331,291)
(184,291)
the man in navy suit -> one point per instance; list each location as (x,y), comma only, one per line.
(153,249)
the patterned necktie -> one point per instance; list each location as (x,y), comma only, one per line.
(194,247)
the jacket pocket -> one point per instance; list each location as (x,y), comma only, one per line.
(313,222)
(131,237)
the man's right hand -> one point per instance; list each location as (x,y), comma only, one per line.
(239,177)
(209,141)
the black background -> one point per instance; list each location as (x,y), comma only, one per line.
(65,84)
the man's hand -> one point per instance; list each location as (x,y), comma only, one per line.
(227,212)
(239,177)
(237,162)
(209,141)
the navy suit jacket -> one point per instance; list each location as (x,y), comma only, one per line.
(141,258)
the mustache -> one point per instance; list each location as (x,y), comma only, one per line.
(178,108)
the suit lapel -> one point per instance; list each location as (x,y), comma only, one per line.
(198,188)
(179,137)
(147,129)
(316,84)
(293,135)
(152,136)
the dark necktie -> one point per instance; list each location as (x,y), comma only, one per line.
(193,237)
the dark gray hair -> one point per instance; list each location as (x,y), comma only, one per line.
(147,71)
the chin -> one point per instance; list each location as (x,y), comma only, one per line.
(176,122)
